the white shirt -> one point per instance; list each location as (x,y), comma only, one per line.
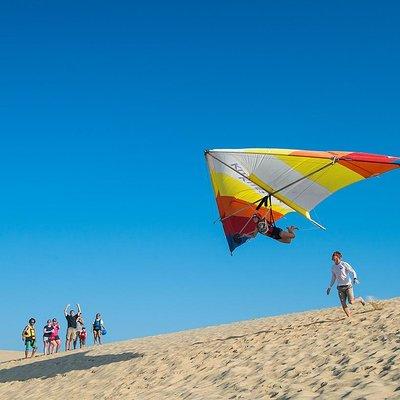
(79,324)
(340,273)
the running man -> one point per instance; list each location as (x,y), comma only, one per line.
(341,271)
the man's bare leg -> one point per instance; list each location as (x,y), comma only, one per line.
(357,300)
(347,311)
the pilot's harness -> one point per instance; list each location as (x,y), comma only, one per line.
(266,226)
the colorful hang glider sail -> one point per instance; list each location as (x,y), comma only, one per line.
(274,182)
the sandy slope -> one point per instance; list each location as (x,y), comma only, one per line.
(301,356)
(6,355)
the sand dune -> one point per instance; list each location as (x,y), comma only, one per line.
(6,355)
(309,355)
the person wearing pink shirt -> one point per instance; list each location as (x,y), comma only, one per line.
(55,341)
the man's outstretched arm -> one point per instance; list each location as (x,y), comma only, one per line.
(66,309)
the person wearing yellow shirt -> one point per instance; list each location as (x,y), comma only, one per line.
(29,337)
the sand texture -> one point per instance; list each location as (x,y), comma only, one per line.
(309,355)
(6,355)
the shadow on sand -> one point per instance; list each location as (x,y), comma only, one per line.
(44,368)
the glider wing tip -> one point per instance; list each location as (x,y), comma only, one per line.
(319,225)
(316,223)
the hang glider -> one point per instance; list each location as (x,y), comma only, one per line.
(274,182)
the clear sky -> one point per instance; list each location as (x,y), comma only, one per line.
(105,111)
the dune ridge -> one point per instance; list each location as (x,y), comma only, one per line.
(317,354)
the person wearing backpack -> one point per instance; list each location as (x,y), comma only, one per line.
(98,329)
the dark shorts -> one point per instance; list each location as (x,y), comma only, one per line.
(345,293)
(275,233)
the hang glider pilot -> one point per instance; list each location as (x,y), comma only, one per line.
(269,229)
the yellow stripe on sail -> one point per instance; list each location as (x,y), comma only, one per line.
(226,185)
(331,178)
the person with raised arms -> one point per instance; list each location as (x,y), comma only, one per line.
(71,318)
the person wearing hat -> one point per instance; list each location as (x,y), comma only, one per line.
(29,337)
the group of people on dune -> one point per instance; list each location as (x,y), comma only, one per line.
(76,333)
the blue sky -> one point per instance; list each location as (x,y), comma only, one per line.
(105,110)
